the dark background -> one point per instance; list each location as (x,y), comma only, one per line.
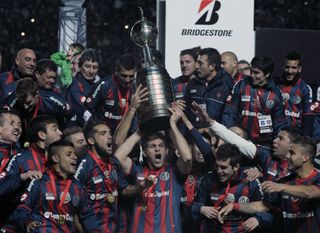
(106,20)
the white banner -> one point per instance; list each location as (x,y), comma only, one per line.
(226,25)
(72,24)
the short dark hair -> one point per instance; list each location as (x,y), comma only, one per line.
(88,55)
(55,146)
(89,129)
(126,61)
(308,145)
(45,64)
(293,56)
(293,132)
(39,123)
(71,130)
(192,52)
(4,111)
(77,46)
(149,136)
(229,151)
(25,87)
(263,63)
(214,57)
(244,62)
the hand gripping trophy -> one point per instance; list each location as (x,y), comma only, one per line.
(153,114)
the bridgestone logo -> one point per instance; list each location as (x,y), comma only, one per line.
(206,32)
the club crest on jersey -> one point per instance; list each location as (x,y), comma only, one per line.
(164,176)
(107,174)
(82,99)
(285,97)
(296,99)
(67,198)
(270,104)
(243,199)
(229,198)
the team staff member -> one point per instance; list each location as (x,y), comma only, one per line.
(49,205)
(210,88)
(297,196)
(157,205)
(224,186)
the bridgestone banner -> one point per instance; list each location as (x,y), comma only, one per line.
(226,25)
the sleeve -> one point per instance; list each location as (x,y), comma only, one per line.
(203,146)
(83,171)
(94,96)
(246,147)
(86,214)
(278,116)
(22,214)
(59,58)
(230,113)
(200,199)
(308,117)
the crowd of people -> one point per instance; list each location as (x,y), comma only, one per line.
(240,154)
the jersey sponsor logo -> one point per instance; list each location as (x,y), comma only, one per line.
(164,176)
(67,198)
(193,91)
(82,99)
(292,113)
(248,113)
(81,165)
(245,98)
(111,116)
(55,100)
(157,194)
(214,197)
(95,93)
(12,161)
(307,214)
(50,196)
(99,196)
(66,217)
(243,199)
(272,172)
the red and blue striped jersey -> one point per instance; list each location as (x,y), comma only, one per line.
(102,183)
(179,86)
(41,203)
(8,83)
(272,168)
(109,102)
(214,193)
(297,101)
(300,215)
(156,209)
(247,103)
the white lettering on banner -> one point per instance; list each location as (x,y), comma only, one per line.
(157,194)
(292,114)
(66,217)
(298,215)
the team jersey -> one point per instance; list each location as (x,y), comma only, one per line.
(109,102)
(214,193)
(259,110)
(299,214)
(272,169)
(211,96)
(179,86)
(156,209)
(102,179)
(297,101)
(54,201)
(8,83)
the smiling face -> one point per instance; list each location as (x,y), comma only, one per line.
(156,152)
(26,62)
(291,69)
(10,129)
(66,161)
(225,170)
(89,69)
(258,77)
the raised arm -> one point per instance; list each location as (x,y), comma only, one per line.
(184,162)
(124,150)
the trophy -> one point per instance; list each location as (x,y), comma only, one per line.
(153,114)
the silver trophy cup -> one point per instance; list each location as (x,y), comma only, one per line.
(153,114)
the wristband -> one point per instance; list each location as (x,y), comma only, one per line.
(236,206)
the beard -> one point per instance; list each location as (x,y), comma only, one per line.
(101,152)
